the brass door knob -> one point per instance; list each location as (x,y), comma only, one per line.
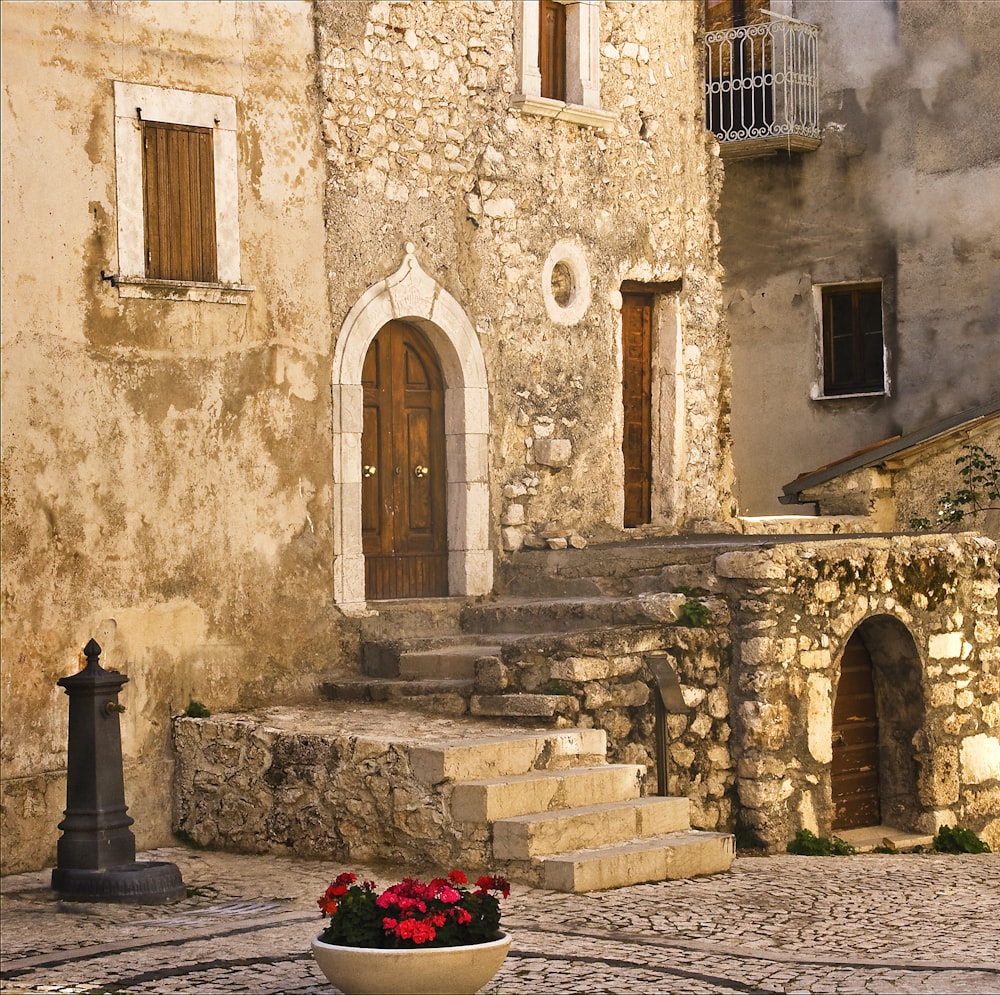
(368,470)
(420,471)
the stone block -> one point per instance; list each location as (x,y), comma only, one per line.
(938,779)
(581,668)
(552,452)
(815,659)
(946,646)
(819,718)
(752,566)
(980,759)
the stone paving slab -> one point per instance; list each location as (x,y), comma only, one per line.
(878,923)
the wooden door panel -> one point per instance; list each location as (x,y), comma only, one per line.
(637,402)
(406,549)
(372,478)
(855,767)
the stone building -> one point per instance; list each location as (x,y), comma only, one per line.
(859,221)
(433,303)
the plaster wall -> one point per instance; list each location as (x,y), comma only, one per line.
(905,188)
(166,470)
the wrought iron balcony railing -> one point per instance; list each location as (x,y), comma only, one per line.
(762,87)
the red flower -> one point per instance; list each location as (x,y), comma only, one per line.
(457,877)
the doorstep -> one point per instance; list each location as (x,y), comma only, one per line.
(865,839)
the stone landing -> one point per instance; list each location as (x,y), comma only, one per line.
(378,784)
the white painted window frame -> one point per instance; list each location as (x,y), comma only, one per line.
(583,65)
(817,393)
(134,103)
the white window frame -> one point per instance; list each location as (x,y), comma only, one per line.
(583,65)
(818,391)
(135,103)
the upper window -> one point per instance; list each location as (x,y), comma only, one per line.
(853,342)
(558,55)
(552,49)
(178,200)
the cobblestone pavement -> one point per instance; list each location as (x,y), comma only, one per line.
(878,923)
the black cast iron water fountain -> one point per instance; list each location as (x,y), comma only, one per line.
(96,852)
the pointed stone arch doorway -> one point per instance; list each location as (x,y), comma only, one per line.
(414,298)
(878,713)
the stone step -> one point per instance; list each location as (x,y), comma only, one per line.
(457,661)
(521,616)
(659,858)
(444,696)
(526,836)
(508,756)
(499,798)
(629,567)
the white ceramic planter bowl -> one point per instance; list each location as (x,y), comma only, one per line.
(433,971)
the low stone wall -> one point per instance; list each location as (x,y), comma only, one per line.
(601,679)
(926,608)
(254,787)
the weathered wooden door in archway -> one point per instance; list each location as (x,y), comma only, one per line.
(403,513)
(855,769)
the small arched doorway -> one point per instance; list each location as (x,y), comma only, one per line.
(403,494)
(878,715)
(854,774)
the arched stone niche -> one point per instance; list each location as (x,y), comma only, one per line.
(412,295)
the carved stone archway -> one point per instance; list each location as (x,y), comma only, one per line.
(412,295)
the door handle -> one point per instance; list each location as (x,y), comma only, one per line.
(420,471)
(368,470)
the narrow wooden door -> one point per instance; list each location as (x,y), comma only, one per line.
(403,514)
(855,742)
(637,400)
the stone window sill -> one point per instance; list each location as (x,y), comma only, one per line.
(180,290)
(593,117)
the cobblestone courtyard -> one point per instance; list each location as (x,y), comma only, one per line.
(913,923)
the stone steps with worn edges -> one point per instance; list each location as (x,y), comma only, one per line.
(667,857)
(496,757)
(541,791)
(537,834)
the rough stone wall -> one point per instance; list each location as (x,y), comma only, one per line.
(927,610)
(166,467)
(243,786)
(897,191)
(424,146)
(602,680)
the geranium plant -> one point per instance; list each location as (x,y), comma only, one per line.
(440,913)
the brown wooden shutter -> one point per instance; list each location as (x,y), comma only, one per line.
(179,200)
(552,49)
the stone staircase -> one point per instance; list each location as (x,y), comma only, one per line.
(501,776)
(559,816)
(540,805)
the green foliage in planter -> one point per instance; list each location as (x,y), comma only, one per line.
(957,840)
(411,914)
(808,844)
(196,710)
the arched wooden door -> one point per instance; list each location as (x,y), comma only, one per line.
(403,513)
(855,770)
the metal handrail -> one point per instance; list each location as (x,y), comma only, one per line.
(762,81)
